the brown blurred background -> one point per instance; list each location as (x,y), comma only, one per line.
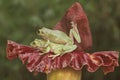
(19,20)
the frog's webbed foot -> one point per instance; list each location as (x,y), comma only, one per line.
(54,56)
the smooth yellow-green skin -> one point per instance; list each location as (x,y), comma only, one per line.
(60,37)
(55,36)
(57,41)
(64,74)
(57,49)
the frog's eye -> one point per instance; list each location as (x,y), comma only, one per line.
(40,32)
(33,43)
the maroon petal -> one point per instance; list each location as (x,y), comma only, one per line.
(35,62)
(13,49)
(77,15)
(106,59)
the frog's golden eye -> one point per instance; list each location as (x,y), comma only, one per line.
(40,32)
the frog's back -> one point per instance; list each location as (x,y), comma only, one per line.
(55,36)
(60,37)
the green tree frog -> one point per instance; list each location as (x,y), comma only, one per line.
(57,49)
(57,41)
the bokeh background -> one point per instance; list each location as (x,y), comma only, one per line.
(19,20)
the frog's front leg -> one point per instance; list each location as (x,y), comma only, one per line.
(74,33)
(46,48)
(54,56)
(47,43)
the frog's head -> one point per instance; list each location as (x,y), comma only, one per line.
(35,43)
(44,32)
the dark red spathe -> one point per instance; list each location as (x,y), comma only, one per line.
(76,14)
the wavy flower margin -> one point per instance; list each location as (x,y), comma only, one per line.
(30,56)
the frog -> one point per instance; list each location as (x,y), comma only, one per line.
(46,46)
(59,36)
(57,41)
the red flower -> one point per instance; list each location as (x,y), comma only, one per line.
(107,60)
(77,15)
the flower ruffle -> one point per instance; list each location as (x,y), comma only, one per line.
(35,62)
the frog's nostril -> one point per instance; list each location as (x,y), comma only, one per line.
(38,32)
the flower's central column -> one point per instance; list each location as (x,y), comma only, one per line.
(64,74)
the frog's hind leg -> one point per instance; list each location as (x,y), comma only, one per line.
(74,33)
(68,48)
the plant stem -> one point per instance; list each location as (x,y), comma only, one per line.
(64,74)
